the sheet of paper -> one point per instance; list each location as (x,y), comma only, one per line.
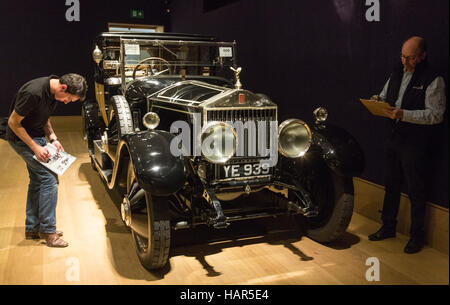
(376,107)
(58,162)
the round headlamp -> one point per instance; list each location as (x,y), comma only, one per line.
(150,120)
(294,138)
(219,142)
(321,115)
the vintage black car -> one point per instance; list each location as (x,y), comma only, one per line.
(173,129)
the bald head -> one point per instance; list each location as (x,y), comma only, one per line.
(413,52)
(417,43)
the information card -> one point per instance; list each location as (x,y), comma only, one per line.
(58,162)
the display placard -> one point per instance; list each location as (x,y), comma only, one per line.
(226,52)
(132,49)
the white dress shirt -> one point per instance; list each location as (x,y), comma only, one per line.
(434,102)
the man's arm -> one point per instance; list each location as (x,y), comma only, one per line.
(14,122)
(434,106)
(52,136)
(48,130)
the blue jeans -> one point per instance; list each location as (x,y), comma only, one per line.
(42,191)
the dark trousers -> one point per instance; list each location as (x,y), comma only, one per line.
(405,163)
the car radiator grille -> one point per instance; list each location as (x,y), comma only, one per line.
(265,115)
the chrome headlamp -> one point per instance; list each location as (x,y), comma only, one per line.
(294,138)
(219,142)
(150,120)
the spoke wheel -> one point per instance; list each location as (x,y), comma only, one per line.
(149,223)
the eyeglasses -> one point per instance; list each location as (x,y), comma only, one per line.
(408,58)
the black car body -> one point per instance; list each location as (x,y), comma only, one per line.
(174,131)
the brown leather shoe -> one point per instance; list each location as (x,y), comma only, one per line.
(32,235)
(35,235)
(53,240)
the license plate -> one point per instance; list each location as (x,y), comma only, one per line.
(244,170)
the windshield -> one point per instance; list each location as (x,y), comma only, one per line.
(156,57)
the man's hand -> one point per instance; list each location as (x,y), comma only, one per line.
(376,98)
(41,153)
(58,146)
(394,113)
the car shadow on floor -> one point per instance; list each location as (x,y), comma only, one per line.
(202,241)
(122,251)
(199,242)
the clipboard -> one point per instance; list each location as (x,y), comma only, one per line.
(376,107)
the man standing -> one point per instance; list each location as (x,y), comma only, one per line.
(417,96)
(28,125)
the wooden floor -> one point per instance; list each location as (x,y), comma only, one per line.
(257,252)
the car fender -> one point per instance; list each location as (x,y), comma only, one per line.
(339,149)
(157,170)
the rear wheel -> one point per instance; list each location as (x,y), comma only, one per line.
(91,122)
(120,121)
(92,126)
(149,223)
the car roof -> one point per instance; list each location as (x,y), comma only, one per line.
(116,36)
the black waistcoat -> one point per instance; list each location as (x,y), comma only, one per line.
(417,135)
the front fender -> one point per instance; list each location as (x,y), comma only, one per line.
(339,149)
(156,169)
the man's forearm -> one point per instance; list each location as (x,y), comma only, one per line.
(48,130)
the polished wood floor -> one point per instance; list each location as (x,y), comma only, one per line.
(257,252)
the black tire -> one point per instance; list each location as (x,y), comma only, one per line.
(92,126)
(121,122)
(340,217)
(333,194)
(150,226)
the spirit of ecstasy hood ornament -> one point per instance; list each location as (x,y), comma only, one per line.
(237,71)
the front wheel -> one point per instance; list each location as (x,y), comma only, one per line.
(333,196)
(149,223)
(335,223)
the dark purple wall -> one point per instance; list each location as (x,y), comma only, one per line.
(310,53)
(301,53)
(36,40)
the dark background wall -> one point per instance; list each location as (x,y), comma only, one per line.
(303,54)
(36,40)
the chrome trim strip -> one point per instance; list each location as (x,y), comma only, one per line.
(171,109)
(242,178)
(174,103)
(240,108)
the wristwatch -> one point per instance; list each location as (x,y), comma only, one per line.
(53,140)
